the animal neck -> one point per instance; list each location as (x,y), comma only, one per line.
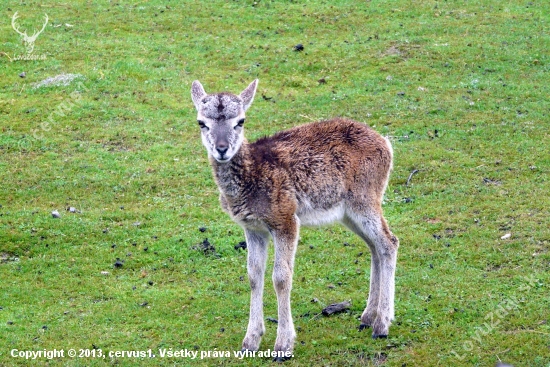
(230,176)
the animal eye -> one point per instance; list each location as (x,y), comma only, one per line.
(240,123)
(202,125)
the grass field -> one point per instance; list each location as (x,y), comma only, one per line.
(460,87)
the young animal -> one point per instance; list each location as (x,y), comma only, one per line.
(334,170)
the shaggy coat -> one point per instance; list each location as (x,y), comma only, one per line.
(334,170)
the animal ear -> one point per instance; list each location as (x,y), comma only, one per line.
(197,93)
(247,95)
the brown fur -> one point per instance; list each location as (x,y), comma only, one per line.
(334,170)
(317,161)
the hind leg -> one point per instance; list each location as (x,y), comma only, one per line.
(373,229)
(370,312)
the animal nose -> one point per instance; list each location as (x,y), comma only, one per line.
(222,148)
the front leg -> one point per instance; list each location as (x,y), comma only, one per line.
(256,243)
(285,241)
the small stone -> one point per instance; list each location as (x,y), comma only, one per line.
(336,308)
(240,245)
(506,236)
(22,75)
(56,214)
(299,47)
(206,247)
(73,210)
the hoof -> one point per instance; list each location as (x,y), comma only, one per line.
(381,336)
(363,327)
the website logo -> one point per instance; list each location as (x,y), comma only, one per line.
(28,40)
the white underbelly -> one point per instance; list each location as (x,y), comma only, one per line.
(315,217)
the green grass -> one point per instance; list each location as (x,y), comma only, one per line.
(461,87)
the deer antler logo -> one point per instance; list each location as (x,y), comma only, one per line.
(29,40)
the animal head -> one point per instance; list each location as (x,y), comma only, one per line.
(221,119)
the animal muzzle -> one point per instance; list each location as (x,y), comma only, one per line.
(222,147)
